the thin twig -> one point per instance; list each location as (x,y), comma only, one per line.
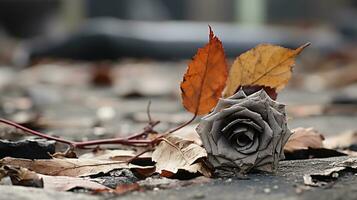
(125,141)
(33,132)
(131,140)
(148,111)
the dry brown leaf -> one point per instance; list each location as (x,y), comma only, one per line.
(25,177)
(205,77)
(174,153)
(125,188)
(66,183)
(72,167)
(120,189)
(304,138)
(2,173)
(341,141)
(265,65)
(323,177)
(188,133)
(115,155)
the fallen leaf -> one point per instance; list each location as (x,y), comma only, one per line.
(125,188)
(327,176)
(341,141)
(69,153)
(24,177)
(66,183)
(2,173)
(174,154)
(120,189)
(322,178)
(304,138)
(115,155)
(205,77)
(73,167)
(265,65)
(188,133)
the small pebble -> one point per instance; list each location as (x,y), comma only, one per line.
(106,113)
(267,190)
(229,180)
(275,187)
(335,175)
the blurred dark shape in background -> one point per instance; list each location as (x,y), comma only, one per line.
(108,38)
(26,18)
(149,28)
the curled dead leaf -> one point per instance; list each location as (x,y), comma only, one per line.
(265,65)
(115,155)
(73,167)
(205,77)
(327,176)
(341,141)
(304,138)
(24,177)
(174,154)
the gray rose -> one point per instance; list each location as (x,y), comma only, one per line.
(245,132)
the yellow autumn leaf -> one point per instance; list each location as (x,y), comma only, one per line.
(265,65)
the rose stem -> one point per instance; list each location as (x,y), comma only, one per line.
(33,132)
(125,141)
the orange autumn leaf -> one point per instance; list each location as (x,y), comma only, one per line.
(265,65)
(205,77)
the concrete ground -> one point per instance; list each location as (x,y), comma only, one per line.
(287,183)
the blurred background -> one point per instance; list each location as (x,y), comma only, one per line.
(97,30)
(87,68)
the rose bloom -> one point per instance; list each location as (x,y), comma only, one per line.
(245,132)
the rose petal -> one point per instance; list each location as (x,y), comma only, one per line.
(265,137)
(252,148)
(239,120)
(226,150)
